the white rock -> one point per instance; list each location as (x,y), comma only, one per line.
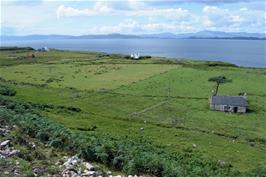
(194,145)
(4,131)
(90,173)
(88,166)
(4,143)
(2,157)
(221,162)
(13,153)
(32,145)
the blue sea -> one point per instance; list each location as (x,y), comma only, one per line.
(249,53)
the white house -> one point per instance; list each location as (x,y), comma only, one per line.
(135,56)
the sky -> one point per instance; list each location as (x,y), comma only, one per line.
(81,17)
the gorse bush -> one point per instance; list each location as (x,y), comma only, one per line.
(132,157)
(7,91)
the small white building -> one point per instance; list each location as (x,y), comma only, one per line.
(135,56)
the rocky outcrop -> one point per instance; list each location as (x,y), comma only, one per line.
(67,166)
(76,167)
(5,149)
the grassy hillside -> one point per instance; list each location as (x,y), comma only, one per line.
(164,102)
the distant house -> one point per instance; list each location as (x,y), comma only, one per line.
(43,49)
(135,56)
(229,103)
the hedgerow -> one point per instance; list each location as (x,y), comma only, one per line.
(132,157)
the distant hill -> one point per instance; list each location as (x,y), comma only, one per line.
(197,35)
(222,35)
(208,35)
(51,37)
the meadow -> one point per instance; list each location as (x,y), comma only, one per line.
(158,100)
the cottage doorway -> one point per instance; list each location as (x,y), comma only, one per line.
(235,109)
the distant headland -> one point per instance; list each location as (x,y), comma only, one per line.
(166,35)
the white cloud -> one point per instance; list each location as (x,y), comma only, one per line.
(22,17)
(166,12)
(131,16)
(133,9)
(243,9)
(100,8)
(233,20)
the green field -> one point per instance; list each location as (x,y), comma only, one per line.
(163,101)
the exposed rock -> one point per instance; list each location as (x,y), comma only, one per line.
(38,171)
(90,173)
(71,162)
(8,153)
(4,144)
(76,167)
(32,145)
(14,153)
(17,162)
(194,145)
(221,162)
(1,156)
(4,131)
(88,166)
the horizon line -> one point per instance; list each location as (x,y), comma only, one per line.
(132,34)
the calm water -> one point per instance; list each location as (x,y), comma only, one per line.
(240,52)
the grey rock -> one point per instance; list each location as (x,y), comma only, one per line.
(4,144)
(221,162)
(4,131)
(194,145)
(14,153)
(90,173)
(88,166)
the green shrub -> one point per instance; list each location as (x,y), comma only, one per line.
(7,91)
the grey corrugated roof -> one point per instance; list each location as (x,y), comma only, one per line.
(229,100)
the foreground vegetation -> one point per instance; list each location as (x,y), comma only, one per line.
(149,116)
